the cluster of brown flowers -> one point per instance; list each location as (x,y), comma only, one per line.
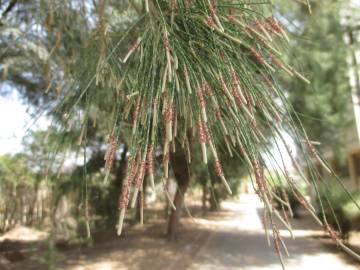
(212,8)
(231,18)
(259,177)
(218,168)
(110,152)
(208,88)
(276,61)
(258,55)
(277,244)
(140,176)
(169,113)
(132,49)
(136,110)
(218,114)
(210,21)
(124,197)
(201,98)
(238,98)
(150,160)
(204,135)
(237,92)
(167,43)
(268,24)
(273,25)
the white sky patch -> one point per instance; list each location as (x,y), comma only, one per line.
(279,156)
(14,122)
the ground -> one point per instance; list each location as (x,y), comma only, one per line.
(232,238)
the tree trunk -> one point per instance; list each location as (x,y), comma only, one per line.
(214,199)
(167,203)
(204,195)
(121,171)
(32,205)
(182,176)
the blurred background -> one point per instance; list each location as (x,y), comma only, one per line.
(44,179)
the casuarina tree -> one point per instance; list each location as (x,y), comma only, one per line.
(183,75)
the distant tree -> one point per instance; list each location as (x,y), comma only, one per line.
(324,106)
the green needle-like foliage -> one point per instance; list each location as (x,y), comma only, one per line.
(194,72)
(197,71)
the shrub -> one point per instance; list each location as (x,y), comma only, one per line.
(339,209)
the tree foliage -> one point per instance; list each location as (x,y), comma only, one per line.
(325,106)
(170,74)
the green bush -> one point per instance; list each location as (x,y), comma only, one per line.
(284,191)
(352,211)
(338,209)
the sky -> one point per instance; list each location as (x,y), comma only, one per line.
(14,122)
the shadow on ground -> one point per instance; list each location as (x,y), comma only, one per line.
(216,241)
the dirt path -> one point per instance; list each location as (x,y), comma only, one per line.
(232,238)
(239,242)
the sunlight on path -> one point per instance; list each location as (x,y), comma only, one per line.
(238,242)
(229,239)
